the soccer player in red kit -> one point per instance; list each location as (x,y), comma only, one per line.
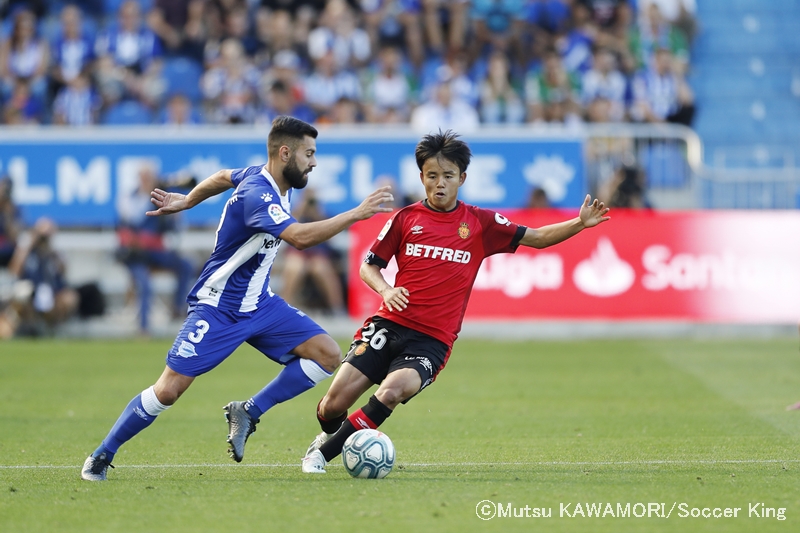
(439,244)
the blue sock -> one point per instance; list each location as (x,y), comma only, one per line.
(297,377)
(133,419)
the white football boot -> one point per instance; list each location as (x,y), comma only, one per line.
(314,463)
(318,441)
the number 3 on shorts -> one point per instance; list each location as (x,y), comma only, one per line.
(202,329)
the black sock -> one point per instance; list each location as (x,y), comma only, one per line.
(330,425)
(371,416)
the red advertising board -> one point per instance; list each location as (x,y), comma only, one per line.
(702,266)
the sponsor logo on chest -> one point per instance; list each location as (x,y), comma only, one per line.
(438,252)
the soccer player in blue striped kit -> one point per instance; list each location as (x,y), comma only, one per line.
(232,303)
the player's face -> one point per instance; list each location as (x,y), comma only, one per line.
(441,179)
(301,163)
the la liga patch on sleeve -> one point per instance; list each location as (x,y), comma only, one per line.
(277,214)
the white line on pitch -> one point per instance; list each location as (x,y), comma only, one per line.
(434,465)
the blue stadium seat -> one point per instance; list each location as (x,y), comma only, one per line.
(726,86)
(182,76)
(127,113)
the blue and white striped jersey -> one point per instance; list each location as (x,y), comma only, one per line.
(236,276)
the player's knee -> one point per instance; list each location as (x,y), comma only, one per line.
(393,395)
(332,406)
(329,356)
(167,396)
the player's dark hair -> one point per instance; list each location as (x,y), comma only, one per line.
(288,131)
(446,144)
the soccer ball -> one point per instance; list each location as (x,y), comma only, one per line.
(368,453)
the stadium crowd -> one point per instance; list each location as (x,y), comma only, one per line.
(450,63)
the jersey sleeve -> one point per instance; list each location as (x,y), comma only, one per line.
(500,235)
(240,174)
(387,243)
(263,211)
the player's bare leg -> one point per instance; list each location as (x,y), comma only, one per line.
(319,356)
(347,387)
(398,386)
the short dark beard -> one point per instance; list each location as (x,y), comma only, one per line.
(296,178)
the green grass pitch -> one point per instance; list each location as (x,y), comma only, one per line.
(547,425)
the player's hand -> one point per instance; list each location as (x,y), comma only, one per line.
(593,212)
(168,203)
(395,298)
(372,203)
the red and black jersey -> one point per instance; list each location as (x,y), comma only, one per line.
(438,256)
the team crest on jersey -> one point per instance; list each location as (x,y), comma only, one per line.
(277,214)
(463,230)
(360,349)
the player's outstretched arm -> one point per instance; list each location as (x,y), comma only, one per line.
(304,235)
(592,213)
(169,203)
(394,298)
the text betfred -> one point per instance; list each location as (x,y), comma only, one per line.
(438,252)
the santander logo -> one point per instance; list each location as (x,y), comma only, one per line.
(604,273)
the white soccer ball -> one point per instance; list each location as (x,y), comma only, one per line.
(368,453)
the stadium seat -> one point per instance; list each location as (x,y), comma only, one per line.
(746,56)
(182,76)
(127,113)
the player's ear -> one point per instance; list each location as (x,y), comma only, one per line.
(285,153)
(462,178)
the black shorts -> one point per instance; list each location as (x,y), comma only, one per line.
(383,346)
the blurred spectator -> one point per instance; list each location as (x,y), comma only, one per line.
(286,69)
(439,15)
(73,52)
(237,26)
(574,43)
(552,94)
(445,112)
(167,19)
(24,57)
(142,248)
(76,104)
(280,100)
(231,89)
(660,95)
(344,111)
(42,297)
(497,25)
(627,188)
(538,199)
(617,37)
(654,33)
(10,222)
(315,263)
(388,89)
(22,107)
(275,32)
(605,82)
(500,102)
(128,59)
(603,12)
(337,33)
(454,69)
(179,111)
(327,85)
(679,13)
